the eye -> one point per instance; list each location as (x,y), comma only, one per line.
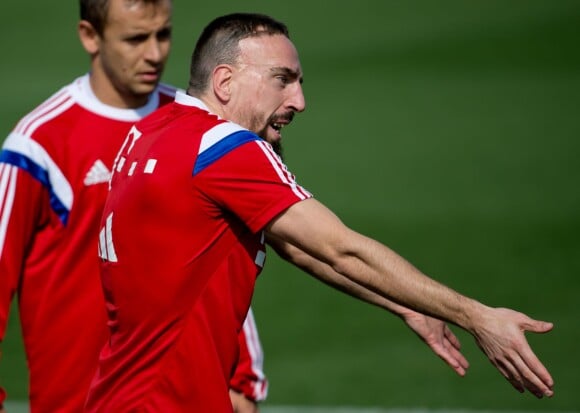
(140,38)
(284,80)
(164,34)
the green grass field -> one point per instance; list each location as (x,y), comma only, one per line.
(448,130)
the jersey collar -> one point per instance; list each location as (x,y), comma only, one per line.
(184,99)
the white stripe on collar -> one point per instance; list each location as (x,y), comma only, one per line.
(184,99)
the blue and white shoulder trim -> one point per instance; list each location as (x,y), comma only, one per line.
(219,141)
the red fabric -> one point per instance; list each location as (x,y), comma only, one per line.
(181,247)
(249,378)
(51,201)
(55,165)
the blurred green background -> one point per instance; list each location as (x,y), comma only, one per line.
(448,130)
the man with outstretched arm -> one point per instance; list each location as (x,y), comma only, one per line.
(198,190)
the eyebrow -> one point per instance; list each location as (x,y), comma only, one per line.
(288,72)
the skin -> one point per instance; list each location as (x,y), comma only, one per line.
(241,404)
(260,92)
(127,61)
(433,332)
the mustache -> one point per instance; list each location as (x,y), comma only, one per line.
(284,117)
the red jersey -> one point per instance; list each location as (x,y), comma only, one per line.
(54,173)
(181,245)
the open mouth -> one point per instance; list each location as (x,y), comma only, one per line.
(277,126)
(277,122)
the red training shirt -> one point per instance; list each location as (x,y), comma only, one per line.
(181,244)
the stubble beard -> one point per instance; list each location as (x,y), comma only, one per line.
(277,146)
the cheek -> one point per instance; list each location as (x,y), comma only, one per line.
(165,49)
(114,60)
(128,56)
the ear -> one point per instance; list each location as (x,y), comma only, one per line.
(222,78)
(89,37)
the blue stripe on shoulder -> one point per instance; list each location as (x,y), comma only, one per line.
(221,148)
(24,162)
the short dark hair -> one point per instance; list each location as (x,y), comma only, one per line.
(96,12)
(219,43)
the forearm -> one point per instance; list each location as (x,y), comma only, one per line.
(378,268)
(314,229)
(326,274)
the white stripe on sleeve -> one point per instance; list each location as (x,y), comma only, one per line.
(257,355)
(282,171)
(35,152)
(8,174)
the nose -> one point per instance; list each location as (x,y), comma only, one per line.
(296,100)
(154,50)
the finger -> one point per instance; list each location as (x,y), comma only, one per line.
(458,355)
(455,347)
(452,337)
(536,326)
(444,351)
(531,360)
(535,365)
(535,372)
(510,373)
(531,381)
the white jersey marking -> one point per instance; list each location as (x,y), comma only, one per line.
(150,166)
(98,174)
(8,175)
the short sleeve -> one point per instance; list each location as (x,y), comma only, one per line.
(252,182)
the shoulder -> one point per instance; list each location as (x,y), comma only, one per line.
(166,93)
(49,110)
(221,139)
(225,135)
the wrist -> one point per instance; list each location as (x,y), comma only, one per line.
(472,316)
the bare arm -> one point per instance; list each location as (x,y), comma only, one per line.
(314,229)
(434,332)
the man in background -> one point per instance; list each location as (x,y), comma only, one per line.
(197,192)
(54,172)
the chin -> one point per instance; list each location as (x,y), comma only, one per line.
(145,88)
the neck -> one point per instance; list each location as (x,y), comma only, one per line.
(214,105)
(106,92)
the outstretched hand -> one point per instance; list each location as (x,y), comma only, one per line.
(439,337)
(500,336)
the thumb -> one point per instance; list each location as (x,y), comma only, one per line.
(537,326)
